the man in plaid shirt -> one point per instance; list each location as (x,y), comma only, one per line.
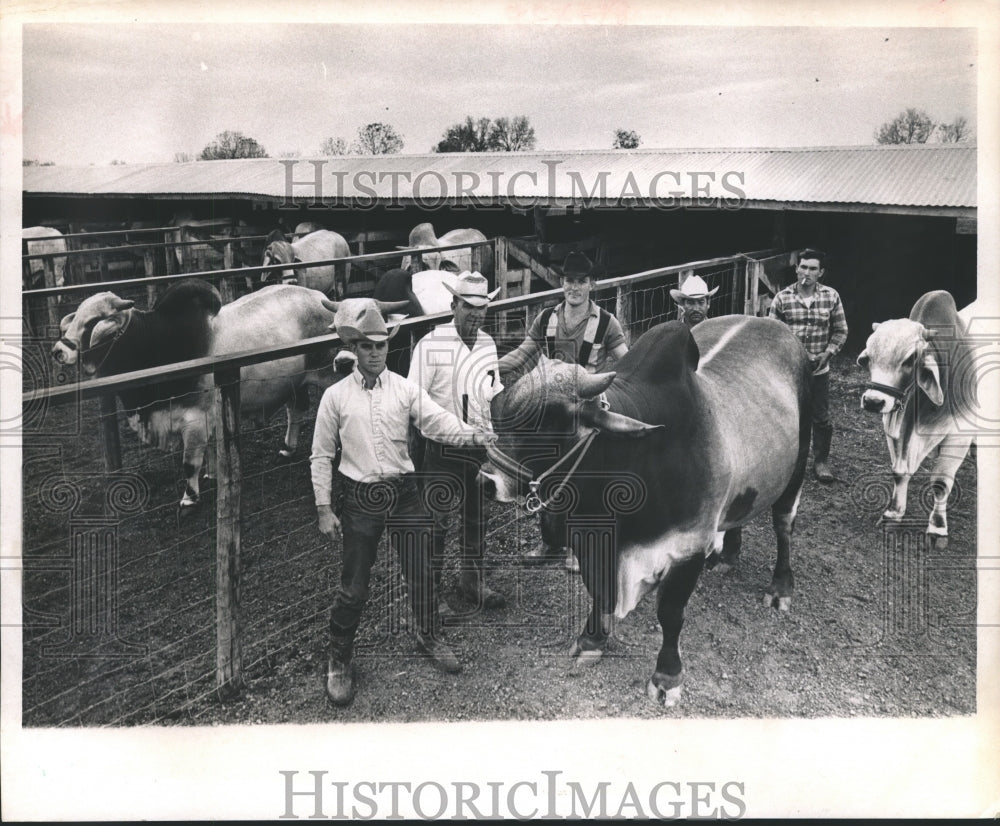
(816,316)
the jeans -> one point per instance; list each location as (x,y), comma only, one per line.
(446,468)
(366,510)
(821,399)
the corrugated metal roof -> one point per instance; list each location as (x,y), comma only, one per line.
(938,175)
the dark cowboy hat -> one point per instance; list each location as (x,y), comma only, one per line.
(577,265)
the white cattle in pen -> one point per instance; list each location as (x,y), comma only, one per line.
(52,242)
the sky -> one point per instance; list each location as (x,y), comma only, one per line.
(143,92)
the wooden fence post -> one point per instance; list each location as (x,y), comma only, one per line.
(102,262)
(500,270)
(225,285)
(623,310)
(169,255)
(48,269)
(111,446)
(149,267)
(229,647)
(74,263)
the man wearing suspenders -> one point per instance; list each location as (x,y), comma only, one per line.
(574,331)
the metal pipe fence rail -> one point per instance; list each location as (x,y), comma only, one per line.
(47,305)
(137,611)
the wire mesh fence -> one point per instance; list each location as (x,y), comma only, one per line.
(120,582)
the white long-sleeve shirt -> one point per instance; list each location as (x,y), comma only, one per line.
(462,379)
(371,427)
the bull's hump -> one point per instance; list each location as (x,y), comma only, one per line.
(935,309)
(664,352)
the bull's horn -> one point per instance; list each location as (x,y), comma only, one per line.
(875,325)
(616,422)
(386,307)
(930,333)
(121,303)
(66,321)
(589,385)
(332,306)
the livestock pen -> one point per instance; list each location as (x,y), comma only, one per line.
(137,611)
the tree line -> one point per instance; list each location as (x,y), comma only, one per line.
(516,134)
(483,134)
(916,126)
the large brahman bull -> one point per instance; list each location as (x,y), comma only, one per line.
(320,245)
(108,336)
(422,235)
(425,291)
(698,433)
(53,242)
(924,383)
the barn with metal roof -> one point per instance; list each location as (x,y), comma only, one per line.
(895,220)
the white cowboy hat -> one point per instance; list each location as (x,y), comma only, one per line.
(693,287)
(472,288)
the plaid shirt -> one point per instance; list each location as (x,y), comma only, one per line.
(820,326)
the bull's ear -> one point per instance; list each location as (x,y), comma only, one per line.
(275,235)
(930,332)
(105,328)
(875,325)
(66,321)
(929,378)
(596,416)
(863,359)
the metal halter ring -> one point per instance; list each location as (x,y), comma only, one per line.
(533,502)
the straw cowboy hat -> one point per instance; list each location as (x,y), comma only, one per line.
(577,265)
(693,287)
(364,324)
(472,288)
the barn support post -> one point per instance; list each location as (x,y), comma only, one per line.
(52,303)
(623,310)
(111,446)
(226,284)
(229,646)
(149,267)
(102,263)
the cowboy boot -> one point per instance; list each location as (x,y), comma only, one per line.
(439,652)
(822,436)
(339,668)
(472,585)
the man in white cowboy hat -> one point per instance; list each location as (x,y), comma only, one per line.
(367,416)
(575,331)
(456,363)
(692,299)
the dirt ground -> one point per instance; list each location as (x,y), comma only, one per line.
(881,625)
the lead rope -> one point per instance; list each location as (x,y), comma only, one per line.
(533,503)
